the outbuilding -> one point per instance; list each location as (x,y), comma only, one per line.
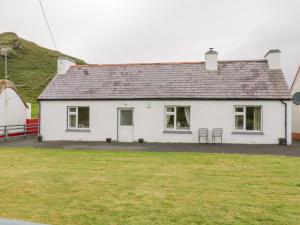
(13,109)
(295,92)
(168,102)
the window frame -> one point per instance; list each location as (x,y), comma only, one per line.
(175,117)
(244,130)
(77,117)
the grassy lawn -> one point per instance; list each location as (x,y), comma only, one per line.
(136,188)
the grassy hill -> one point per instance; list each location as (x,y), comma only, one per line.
(29,65)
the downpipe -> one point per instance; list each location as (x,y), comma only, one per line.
(285,121)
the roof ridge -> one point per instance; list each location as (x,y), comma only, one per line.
(243,60)
(136,64)
(165,63)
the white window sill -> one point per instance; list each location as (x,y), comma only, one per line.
(177,132)
(248,132)
(78,130)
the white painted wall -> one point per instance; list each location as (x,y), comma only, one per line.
(63,64)
(274,60)
(211,61)
(15,112)
(296,108)
(149,121)
(28,114)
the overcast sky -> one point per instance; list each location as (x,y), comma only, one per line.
(122,31)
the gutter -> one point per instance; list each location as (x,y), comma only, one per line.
(164,99)
(285,121)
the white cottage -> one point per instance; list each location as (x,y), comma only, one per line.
(13,109)
(295,91)
(169,102)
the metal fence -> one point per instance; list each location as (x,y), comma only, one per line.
(11,131)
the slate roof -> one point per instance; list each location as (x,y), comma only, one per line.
(248,79)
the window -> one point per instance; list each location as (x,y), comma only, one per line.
(177,118)
(247,118)
(78,117)
(126,117)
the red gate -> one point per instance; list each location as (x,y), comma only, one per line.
(30,128)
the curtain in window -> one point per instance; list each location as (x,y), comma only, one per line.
(187,114)
(72,121)
(257,118)
(83,117)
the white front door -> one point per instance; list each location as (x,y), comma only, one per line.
(125,125)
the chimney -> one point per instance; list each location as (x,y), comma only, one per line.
(273,57)
(63,64)
(211,60)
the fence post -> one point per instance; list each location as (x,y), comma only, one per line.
(5,132)
(25,131)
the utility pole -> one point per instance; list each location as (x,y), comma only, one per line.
(5,64)
(4,51)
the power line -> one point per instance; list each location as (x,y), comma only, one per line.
(53,41)
(48,25)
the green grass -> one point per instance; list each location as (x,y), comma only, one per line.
(29,65)
(137,188)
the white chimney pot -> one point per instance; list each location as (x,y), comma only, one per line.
(211,60)
(63,64)
(273,57)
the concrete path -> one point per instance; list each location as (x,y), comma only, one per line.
(16,222)
(292,150)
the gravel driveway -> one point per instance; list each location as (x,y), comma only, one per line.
(292,150)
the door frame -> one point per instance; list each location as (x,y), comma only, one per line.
(118,120)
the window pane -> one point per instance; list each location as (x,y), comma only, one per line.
(239,122)
(170,121)
(253,118)
(183,118)
(126,117)
(83,117)
(73,109)
(170,109)
(72,121)
(239,109)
